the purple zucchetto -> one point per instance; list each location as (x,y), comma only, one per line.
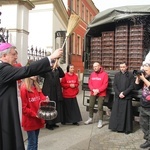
(4,46)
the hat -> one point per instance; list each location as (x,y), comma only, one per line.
(4,46)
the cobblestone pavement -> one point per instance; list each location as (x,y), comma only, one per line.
(88,137)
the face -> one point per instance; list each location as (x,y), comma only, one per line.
(146,70)
(96,67)
(123,68)
(71,69)
(12,56)
(34,78)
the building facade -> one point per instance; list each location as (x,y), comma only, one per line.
(86,10)
(37,26)
(34,23)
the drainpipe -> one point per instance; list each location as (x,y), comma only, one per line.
(70,44)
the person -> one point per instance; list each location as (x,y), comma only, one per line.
(70,90)
(121,118)
(98,82)
(17,64)
(10,130)
(31,96)
(143,82)
(52,89)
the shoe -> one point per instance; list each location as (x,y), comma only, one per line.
(145,145)
(76,123)
(127,132)
(100,124)
(63,123)
(55,126)
(90,120)
(47,125)
(50,127)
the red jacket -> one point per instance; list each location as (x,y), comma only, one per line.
(98,81)
(30,105)
(68,79)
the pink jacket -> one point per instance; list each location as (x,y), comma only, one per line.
(30,105)
(98,81)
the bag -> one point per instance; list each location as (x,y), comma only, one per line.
(47,110)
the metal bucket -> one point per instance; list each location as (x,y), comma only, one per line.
(47,110)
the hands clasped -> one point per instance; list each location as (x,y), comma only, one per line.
(95,91)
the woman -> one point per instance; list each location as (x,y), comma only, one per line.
(31,96)
(70,85)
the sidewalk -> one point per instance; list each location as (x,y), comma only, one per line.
(88,137)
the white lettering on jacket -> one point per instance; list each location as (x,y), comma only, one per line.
(96,78)
(33,99)
(71,81)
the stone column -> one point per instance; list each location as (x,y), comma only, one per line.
(15,16)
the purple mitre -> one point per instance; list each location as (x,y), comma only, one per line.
(4,46)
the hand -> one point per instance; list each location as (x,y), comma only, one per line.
(95,91)
(121,95)
(56,54)
(142,77)
(72,85)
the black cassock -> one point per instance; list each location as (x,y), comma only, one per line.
(52,89)
(121,116)
(10,129)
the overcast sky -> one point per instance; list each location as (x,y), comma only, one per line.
(105,4)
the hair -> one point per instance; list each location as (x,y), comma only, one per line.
(6,51)
(124,63)
(68,67)
(97,62)
(28,84)
(146,65)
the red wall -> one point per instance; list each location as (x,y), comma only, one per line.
(76,59)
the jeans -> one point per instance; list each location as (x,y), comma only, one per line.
(145,122)
(33,139)
(100,106)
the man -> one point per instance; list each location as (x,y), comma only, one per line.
(143,81)
(10,130)
(52,89)
(98,82)
(121,116)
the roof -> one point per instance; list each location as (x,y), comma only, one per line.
(110,16)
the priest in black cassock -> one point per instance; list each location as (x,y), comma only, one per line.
(10,130)
(121,118)
(52,89)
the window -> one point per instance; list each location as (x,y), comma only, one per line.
(73,44)
(73,5)
(78,7)
(86,17)
(78,45)
(90,17)
(82,15)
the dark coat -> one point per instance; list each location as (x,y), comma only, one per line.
(52,89)
(121,115)
(52,86)
(10,128)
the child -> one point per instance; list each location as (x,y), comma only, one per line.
(31,96)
